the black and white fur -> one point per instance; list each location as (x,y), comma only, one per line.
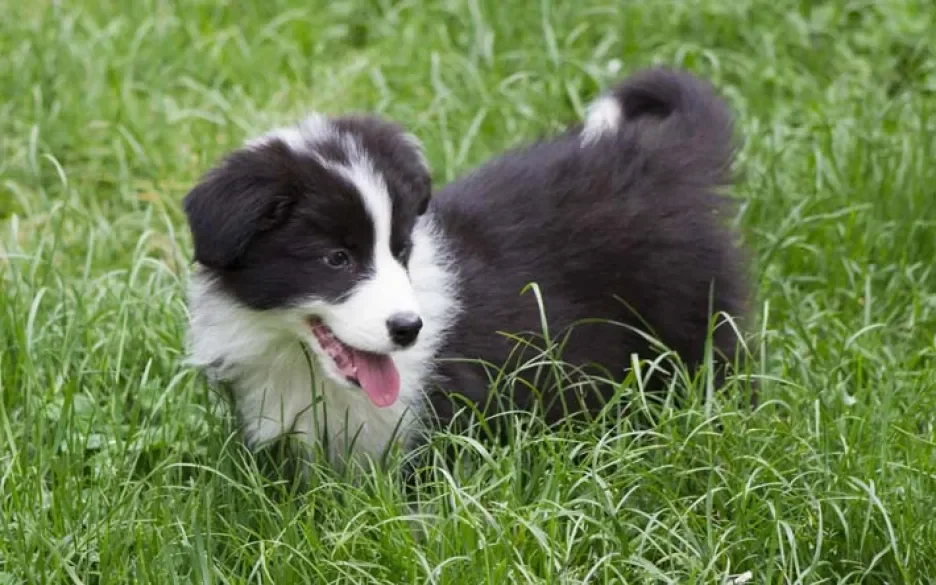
(615,219)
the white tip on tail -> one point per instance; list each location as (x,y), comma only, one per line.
(603,117)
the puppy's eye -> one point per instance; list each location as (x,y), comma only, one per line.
(337,259)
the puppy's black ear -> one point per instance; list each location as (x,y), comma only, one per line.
(424,204)
(414,168)
(418,184)
(234,202)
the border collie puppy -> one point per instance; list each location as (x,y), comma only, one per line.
(342,303)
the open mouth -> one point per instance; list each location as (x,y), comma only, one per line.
(374,373)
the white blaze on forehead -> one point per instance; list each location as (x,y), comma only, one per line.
(372,188)
(361,320)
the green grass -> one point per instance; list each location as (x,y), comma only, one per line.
(117,466)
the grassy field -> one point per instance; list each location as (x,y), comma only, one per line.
(118,466)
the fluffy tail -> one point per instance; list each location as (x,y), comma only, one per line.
(667,112)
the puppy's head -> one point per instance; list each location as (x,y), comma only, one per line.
(311,227)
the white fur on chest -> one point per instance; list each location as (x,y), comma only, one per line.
(285,397)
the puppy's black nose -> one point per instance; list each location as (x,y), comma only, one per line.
(403,328)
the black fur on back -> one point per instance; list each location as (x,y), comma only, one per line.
(632,221)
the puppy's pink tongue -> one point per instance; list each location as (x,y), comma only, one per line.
(378,377)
